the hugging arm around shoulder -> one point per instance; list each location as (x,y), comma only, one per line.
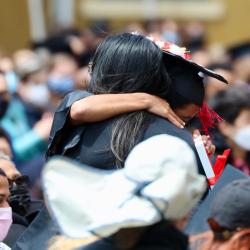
(61,120)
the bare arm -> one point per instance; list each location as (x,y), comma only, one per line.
(97,108)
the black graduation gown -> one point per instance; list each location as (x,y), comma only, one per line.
(22,222)
(90,143)
(19,225)
(163,237)
(38,234)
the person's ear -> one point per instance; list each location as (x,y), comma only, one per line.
(226,129)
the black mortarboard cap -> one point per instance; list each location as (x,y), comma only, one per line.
(239,50)
(198,222)
(223,66)
(187,77)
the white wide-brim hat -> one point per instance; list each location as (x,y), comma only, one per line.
(159,181)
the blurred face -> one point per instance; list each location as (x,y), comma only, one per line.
(213,86)
(39,77)
(5,147)
(4,94)
(242,68)
(187,112)
(243,119)
(6,64)
(239,131)
(240,122)
(201,57)
(82,78)
(4,191)
(64,66)
(9,168)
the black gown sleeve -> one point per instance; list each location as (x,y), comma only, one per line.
(61,127)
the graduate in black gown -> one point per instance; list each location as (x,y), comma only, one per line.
(129,63)
(125,209)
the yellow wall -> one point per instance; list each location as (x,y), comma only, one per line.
(14,25)
(235,26)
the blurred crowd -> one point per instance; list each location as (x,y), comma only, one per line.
(34,80)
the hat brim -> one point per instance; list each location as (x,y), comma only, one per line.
(65,182)
(193,65)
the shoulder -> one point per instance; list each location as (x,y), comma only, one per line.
(72,97)
(159,125)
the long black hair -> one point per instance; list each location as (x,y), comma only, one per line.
(128,63)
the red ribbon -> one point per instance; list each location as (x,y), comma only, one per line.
(208,118)
(219,167)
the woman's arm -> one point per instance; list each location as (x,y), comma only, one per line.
(97,108)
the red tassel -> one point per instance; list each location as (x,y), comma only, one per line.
(219,167)
(187,56)
(208,118)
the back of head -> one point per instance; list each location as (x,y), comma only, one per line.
(231,207)
(229,103)
(187,87)
(229,219)
(128,63)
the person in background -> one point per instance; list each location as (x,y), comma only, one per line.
(193,35)
(24,208)
(5,209)
(229,220)
(5,144)
(29,143)
(213,86)
(144,206)
(169,31)
(79,45)
(8,166)
(32,90)
(7,67)
(132,26)
(16,223)
(61,79)
(240,58)
(82,78)
(233,105)
(194,38)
